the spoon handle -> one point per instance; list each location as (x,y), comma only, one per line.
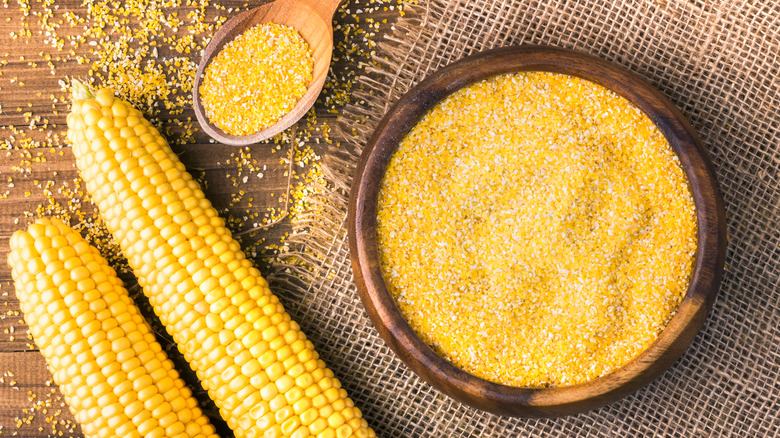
(326,8)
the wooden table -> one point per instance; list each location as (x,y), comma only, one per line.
(37,161)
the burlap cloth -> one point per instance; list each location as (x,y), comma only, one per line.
(718,62)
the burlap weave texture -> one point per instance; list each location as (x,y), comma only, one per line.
(719,62)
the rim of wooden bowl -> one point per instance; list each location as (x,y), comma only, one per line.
(544,402)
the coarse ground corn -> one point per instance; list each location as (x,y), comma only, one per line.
(536,229)
(256,79)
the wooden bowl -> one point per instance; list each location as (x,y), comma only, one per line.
(494,397)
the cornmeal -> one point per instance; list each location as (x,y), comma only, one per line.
(536,230)
(256,79)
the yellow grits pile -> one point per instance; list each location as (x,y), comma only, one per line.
(536,230)
(256,79)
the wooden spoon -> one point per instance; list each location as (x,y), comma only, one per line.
(313,19)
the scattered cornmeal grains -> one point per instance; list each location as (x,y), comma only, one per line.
(536,230)
(256,79)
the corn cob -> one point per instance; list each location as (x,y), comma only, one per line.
(254,361)
(114,375)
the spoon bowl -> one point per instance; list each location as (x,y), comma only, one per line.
(313,19)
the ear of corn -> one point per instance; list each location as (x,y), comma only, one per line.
(254,361)
(114,375)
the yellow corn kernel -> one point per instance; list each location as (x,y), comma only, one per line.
(327,433)
(112,374)
(336,419)
(302,432)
